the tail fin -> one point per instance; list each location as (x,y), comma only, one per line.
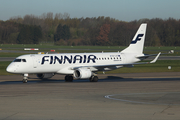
(137,43)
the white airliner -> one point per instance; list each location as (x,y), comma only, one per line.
(81,65)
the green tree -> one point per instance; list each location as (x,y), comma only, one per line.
(37,33)
(58,34)
(66,32)
(29,35)
(62,32)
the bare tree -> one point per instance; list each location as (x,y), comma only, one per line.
(66,16)
(58,16)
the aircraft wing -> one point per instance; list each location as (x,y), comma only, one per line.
(146,55)
(153,61)
(100,67)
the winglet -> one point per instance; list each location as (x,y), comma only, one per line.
(155,59)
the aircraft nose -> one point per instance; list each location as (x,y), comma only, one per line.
(10,69)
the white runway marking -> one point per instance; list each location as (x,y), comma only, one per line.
(113,97)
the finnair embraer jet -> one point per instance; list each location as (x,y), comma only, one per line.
(81,65)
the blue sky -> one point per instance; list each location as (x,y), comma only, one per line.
(125,10)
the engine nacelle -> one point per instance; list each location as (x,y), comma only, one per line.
(82,73)
(45,75)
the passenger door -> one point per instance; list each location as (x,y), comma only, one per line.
(35,61)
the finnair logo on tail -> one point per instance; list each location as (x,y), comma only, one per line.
(138,38)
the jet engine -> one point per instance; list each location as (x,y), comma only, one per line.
(45,75)
(82,73)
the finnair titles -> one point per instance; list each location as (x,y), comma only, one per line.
(81,65)
(71,59)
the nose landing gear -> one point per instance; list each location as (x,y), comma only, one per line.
(25,78)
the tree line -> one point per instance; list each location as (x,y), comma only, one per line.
(60,29)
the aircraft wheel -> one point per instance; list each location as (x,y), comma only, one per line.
(93,79)
(24,80)
(69,78)
(66,78)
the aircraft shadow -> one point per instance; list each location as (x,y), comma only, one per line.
(106,79)
(120,79)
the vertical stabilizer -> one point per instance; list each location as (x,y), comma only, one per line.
(137,43)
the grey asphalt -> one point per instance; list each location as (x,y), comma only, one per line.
(147,96)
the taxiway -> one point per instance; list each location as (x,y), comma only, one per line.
(116,96)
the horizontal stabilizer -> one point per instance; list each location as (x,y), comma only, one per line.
(142,57)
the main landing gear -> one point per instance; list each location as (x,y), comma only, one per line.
(69,78)
(93,79)
(25,78)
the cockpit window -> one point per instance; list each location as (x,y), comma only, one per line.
(17,60)
(23,60)
(20,60)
